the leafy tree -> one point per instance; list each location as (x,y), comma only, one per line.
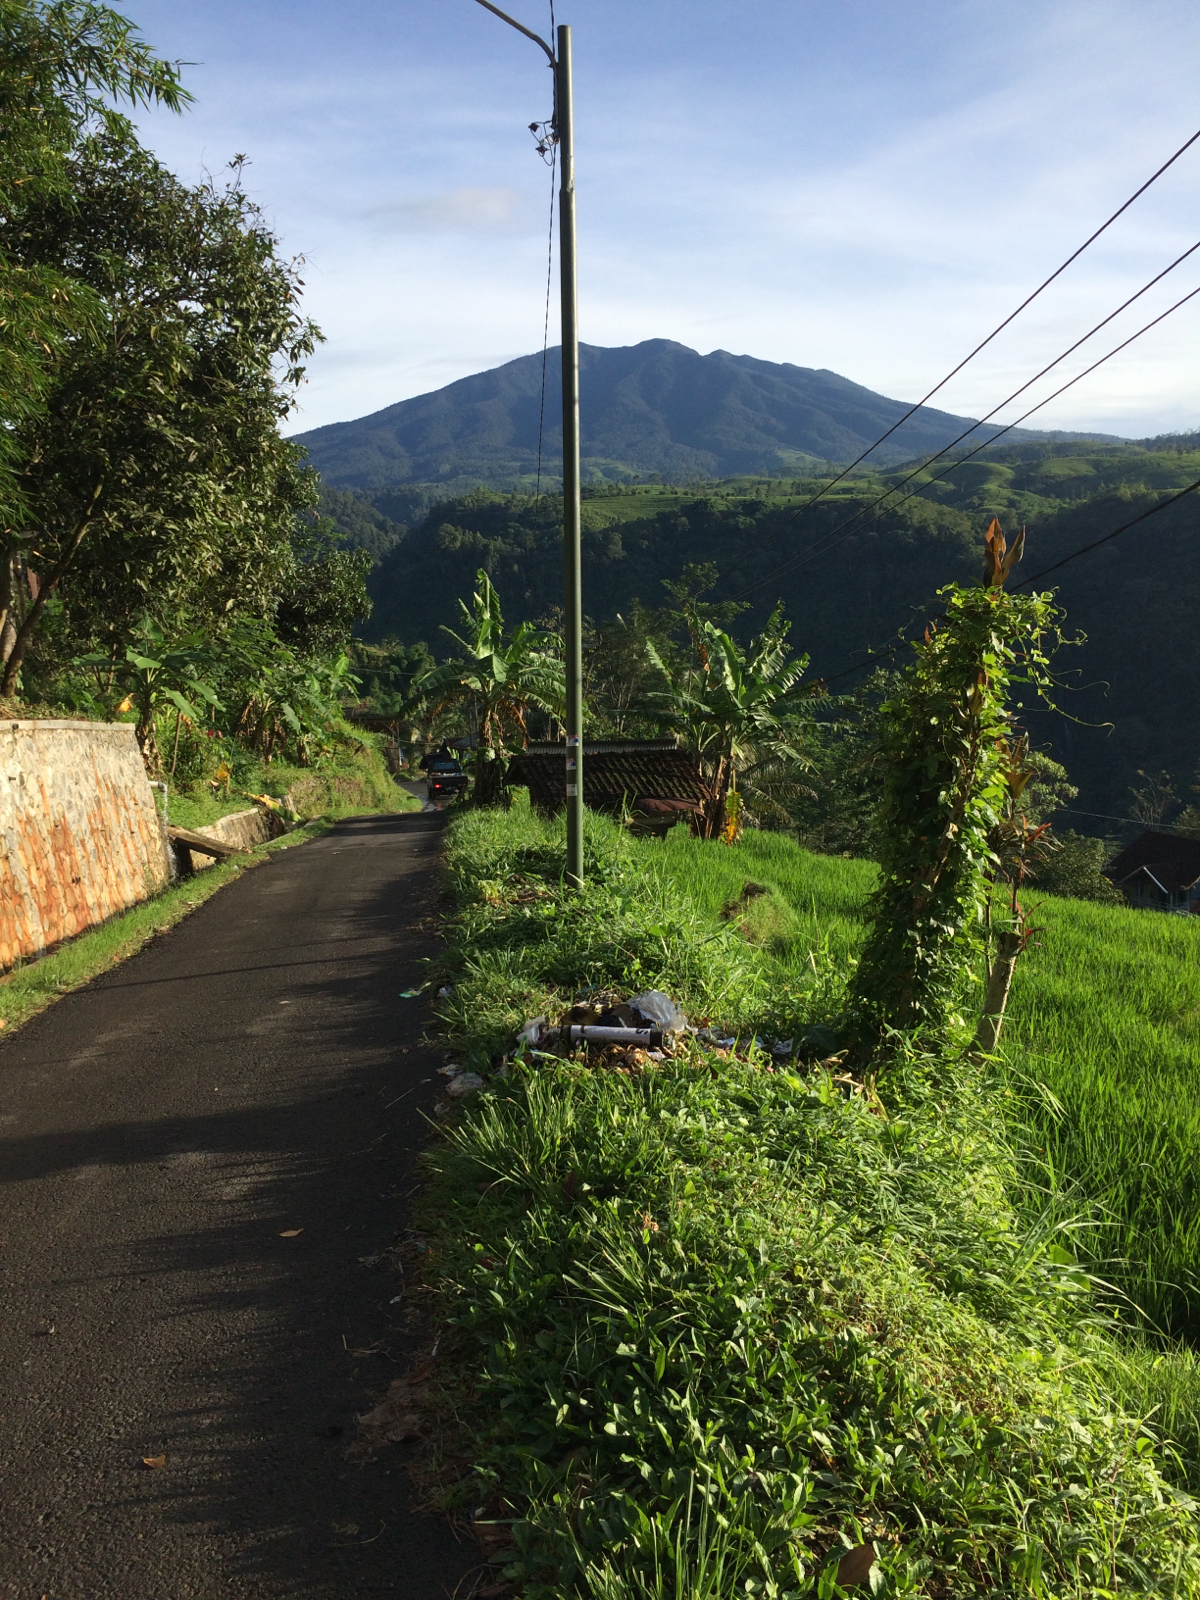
(497,679)
(325,593)
(1075,867)
(388,671)
(621,682)
(155,475)
(1153,799)
(61,68)
(741,711)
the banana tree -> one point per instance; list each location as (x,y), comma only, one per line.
(740,710)
(156,672)
(496,678)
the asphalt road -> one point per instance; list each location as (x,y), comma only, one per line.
(251,1072)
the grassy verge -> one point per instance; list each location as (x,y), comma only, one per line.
(723,1324)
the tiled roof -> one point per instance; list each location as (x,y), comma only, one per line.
(654,776)
(1173,862)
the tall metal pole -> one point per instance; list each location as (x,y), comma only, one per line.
(565,132)
(570,431)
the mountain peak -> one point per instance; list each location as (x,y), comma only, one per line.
(653,407)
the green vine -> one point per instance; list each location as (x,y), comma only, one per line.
(946,742)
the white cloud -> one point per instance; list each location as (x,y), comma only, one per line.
(466,210)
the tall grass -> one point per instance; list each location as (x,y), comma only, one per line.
(720,1323)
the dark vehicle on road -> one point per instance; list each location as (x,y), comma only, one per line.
(445,777)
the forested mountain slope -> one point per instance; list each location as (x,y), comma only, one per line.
(654,407)
(1137,600)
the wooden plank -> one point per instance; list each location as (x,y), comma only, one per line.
(201,843)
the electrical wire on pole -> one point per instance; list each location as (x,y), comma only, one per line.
(533,128)
(982,345)
(563,134)
(845,529)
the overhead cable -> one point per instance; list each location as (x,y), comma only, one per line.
(954,371)
(1096,543)
(889,650)
(832,538)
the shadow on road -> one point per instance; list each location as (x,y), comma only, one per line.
(254,1073)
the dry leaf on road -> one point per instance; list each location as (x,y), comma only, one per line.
(291,1233)
(154,1461)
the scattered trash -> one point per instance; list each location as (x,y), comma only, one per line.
(533,1030)
(463,1084)
(395,1300)
(722,1041)
(451,1070)
(659,1010)
(783,1047)
(445,991)
(648,1038)
(411,994)
(154,1461)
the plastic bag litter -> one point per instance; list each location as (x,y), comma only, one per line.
(445,991)
(532,1031)
(451,1070)
(723,1041)
(463,1084)
(660,1010)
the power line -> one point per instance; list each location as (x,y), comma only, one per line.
(891,649)
(1130,822)
(1096,543)
(831,539)
(546,319)
(1029,299)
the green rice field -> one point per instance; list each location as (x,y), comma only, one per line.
(1101,1052)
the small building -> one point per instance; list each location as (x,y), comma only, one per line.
(1159,872)
(656,781)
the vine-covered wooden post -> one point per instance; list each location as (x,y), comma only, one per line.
(947,744)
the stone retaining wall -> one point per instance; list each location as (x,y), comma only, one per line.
(80,837)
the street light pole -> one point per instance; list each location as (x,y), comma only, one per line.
(564,130)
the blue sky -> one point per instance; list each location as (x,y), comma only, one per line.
(861,185)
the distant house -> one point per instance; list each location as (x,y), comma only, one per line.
(655,781)
(1159,872)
